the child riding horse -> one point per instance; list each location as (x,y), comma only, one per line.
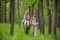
(26,22)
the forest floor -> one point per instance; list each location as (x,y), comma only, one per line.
(20,35)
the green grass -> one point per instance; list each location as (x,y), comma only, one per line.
(20,35)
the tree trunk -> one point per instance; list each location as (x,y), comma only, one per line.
(32,10)
(12,16)
(0,11)
(4,12)
(49,17)
(58,21)
(41,16)
(54,19)
(50,21)
(18,13)
(58,13)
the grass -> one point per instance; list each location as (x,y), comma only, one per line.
(20,35)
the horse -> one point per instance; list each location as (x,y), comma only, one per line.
(26,25)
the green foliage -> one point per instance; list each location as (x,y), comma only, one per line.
(30,2)
(25,5)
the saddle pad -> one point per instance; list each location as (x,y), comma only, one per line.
(26,22)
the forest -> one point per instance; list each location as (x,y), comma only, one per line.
(12,13)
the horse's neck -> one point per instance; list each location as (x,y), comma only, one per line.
(26,22)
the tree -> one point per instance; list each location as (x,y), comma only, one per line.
(41,16)
(59,13)
(18,13)
(29,15)
(1,11)
(12,16)
(54,18)
(4,12)
(32,9)
(49,17)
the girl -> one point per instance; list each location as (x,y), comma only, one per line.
(25,22)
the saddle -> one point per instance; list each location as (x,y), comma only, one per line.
(25,22)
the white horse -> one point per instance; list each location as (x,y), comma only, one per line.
(34,23)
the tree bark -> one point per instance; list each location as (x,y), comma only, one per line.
(4,12)
(12,16)
(54,19)
(58,13)
(41,16)
(18,13)
(49,17)
(29,15)
(0,11)
(32,10)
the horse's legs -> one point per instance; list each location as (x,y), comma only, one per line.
(34,30)
(26,27)
(27,30)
